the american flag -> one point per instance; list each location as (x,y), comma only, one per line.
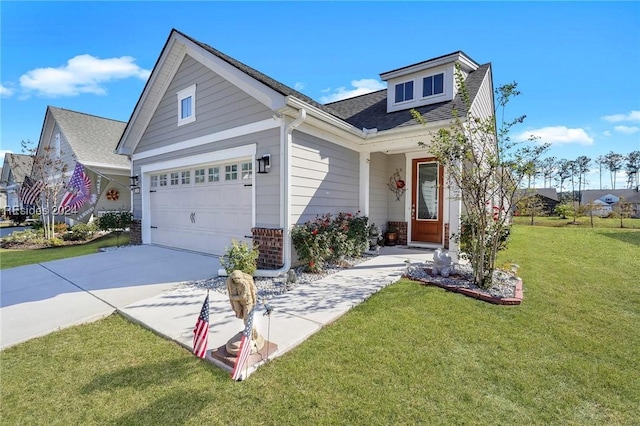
(78,189)
(30,191)
(201,331)
(245,348)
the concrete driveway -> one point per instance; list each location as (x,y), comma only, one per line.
(38,299)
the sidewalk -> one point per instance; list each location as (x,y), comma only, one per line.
(296,314)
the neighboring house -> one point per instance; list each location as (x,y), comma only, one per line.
(3,196)
(78,137)
(205,123)
(606,200)
(14,170)
(548,197)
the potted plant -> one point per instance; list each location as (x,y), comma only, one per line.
(391,236)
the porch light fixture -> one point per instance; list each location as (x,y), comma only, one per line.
(133,181)
(264,163)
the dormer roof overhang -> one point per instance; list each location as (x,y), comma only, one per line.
(466,63)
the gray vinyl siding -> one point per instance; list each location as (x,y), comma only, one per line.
(324,178)
(123,203)
(482,105)
(219,106)
(396,208)
(378,190)
(267,185)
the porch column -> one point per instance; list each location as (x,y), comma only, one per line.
(364,183)
(455,208)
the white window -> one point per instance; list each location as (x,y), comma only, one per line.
(199,176)
(163,180)
(187,105)
(231,172)
(186,177)
(175,178)
(154,181)
(247,170)
(214,174)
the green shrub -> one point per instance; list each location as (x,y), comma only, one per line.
(564,210)
(115,221)
(328,238)
(60,228)
(56,242)
(27,236)
(80,232)
(240,256)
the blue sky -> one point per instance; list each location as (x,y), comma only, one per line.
(576,63)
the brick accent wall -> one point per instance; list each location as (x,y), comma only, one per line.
(135,230)
(446,236)
(401,230)
(270,245)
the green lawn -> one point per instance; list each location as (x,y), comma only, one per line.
(581,222)
(409,354)
(12,258)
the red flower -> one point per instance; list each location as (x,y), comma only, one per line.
(315,232)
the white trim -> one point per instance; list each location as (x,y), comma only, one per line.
(189,92)
(235,132)
(191,161)
(365,164)
(413,92)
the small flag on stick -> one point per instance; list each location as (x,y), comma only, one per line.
(245,348)
(201,331)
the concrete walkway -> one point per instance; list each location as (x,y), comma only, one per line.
(150,285)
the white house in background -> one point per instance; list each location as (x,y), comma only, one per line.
(90,140)
(206,123)
(14,170)
(606,200)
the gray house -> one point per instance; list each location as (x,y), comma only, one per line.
(223,151)
(78,137)
(13,172)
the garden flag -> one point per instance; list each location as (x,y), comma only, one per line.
(82,193)
(201,331)
(245,348)
(30,191)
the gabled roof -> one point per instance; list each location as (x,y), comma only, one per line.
(17,164)
(92,138)
(550,193)
(370,110)
(589,195)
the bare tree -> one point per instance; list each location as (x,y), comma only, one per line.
(601,161)
(548,167)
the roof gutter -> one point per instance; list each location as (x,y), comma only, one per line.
(285,194)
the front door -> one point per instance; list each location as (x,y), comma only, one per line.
(426,201)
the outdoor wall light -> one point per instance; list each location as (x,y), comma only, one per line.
(133,181)
(264,163)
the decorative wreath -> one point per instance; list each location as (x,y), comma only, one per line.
(113,195)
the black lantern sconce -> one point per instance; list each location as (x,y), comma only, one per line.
(133,184)
(264,163)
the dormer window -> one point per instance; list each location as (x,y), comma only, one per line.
(404,91)
(187,105)
(433,85)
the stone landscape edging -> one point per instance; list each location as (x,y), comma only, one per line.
(476,294)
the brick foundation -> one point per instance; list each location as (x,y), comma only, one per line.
(401,231)
(446,236)
(135,231)
(270,245)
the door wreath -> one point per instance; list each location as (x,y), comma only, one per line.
(113,195)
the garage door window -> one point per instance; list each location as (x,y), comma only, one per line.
(163,180)
(186,177)
(154,181)
(214,174)
(231,172)
(199,176)
(175,178)
(247,171)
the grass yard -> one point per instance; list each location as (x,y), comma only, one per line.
(582,222)
(409,354)
(10,258)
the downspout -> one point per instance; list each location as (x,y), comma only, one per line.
(285,170)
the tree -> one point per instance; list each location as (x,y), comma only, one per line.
(548,169)
(622,209)
(614,164)
(563,173)
(582,164)
(632,167)
(48,171)
(531,205)
(601,161)
(485,170)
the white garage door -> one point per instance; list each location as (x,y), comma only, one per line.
(201,208)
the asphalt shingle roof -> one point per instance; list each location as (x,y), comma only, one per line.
(370,110)
(92,138)
(19,165)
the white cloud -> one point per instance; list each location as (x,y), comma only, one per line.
(360,87)
(616,118)
(81,74)
(629,130)
(557,135)
(5,91)
(299,86)
(606,133)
